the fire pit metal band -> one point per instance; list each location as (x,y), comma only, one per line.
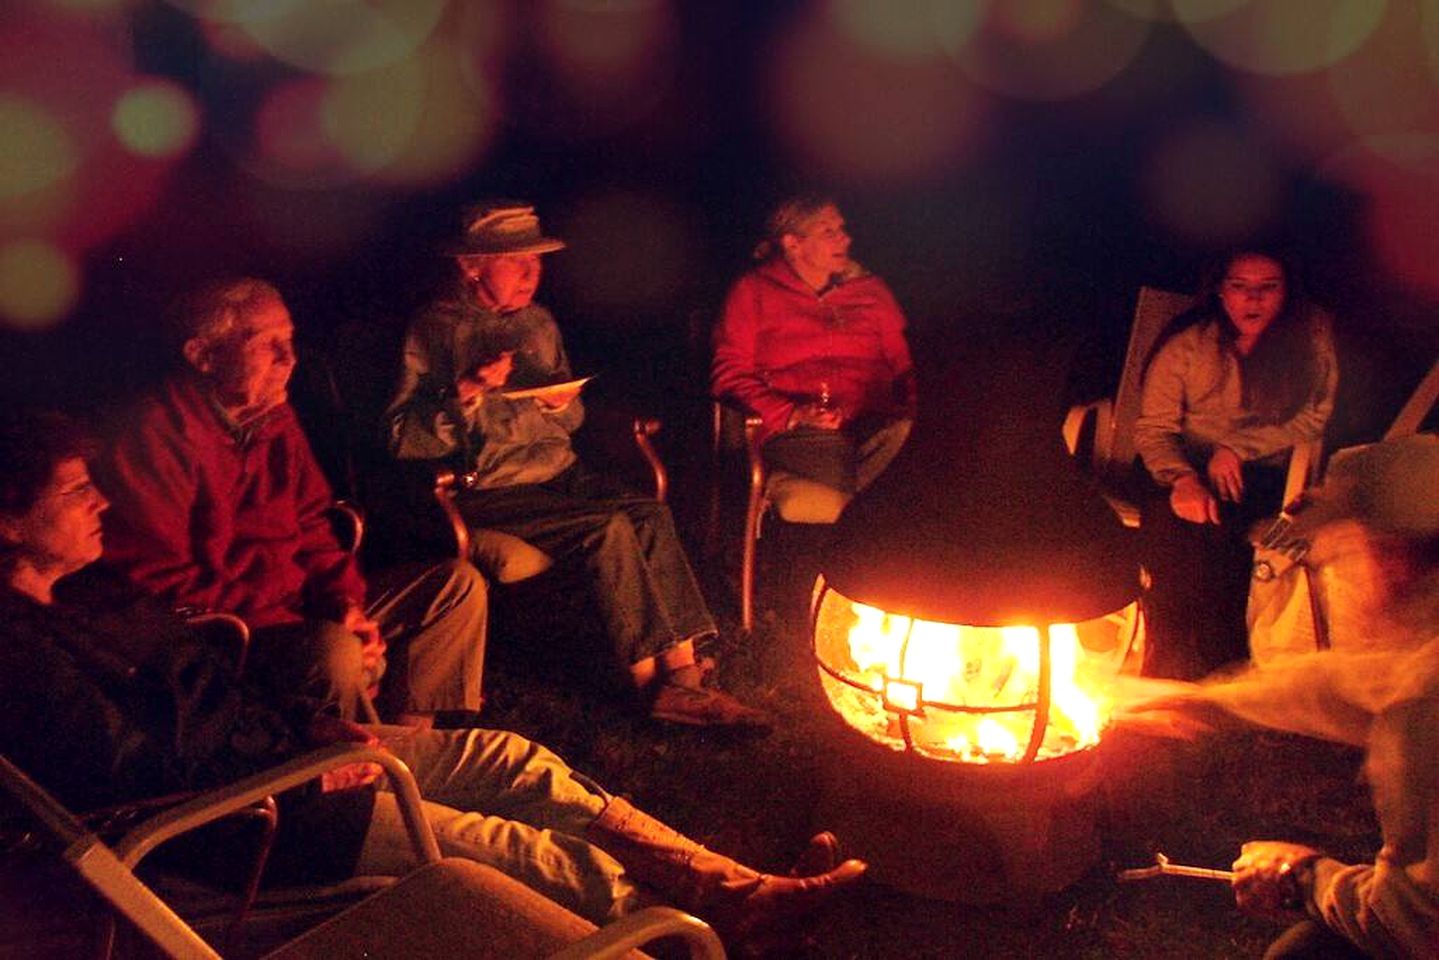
(903,712)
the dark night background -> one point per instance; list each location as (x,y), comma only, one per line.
(989,171)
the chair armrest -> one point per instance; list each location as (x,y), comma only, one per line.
(643,429)
(617,939)
(348,520)
(1077,422)
(224,628)
(1305,463)
(214,804)
(447,485)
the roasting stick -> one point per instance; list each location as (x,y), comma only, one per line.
(1162,867)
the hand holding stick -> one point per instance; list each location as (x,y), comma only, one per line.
(1162,867)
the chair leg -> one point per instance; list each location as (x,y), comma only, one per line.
(753,514)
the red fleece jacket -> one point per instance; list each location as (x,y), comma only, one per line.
(778,341)
(202,515)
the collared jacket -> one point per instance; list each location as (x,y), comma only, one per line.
(1192,403)
(504,441)
(780,344)
(111,699)
(207,516)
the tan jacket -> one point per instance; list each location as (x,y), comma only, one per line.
(1191,403)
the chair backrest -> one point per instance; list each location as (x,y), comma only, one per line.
(1417,407)
(1153,312)
(100,868)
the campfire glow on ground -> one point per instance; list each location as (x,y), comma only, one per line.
(965,693)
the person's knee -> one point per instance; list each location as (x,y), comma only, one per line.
(618,531)
(465,584)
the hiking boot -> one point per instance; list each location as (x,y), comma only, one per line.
(754,913)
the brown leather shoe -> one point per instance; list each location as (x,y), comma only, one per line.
(703,707)
(773,917)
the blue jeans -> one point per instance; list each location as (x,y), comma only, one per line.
(627,544)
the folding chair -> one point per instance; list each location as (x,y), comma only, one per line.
(445,908)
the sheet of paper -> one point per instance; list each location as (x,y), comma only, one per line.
(554,389)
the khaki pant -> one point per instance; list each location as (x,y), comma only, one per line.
(502,800)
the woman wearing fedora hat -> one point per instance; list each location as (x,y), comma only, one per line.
(468,358)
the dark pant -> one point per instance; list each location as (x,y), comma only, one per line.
(627,544)
(1199,580)
(847,460)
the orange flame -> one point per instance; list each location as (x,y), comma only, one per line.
(961,692)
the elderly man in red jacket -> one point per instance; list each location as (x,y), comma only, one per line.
(814,344)
(218,503)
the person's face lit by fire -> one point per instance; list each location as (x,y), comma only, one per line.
(1252,293)
(249,367)
(820,248)
(60,532)
(504,282)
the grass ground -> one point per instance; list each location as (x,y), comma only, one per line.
(755,797)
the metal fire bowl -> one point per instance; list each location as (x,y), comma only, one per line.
(961,832)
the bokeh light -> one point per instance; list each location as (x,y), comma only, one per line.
(94,6)
(290,142)
(1052,49)
(458,118)
(39,283)
(67,69)
(1399,175)
(1280,36)
(37,152)
(346,36)
(416,122)
(851,115)
(1385,86)
(908,28)
(370,117)
(156,118)
(603,67)
(1211,184)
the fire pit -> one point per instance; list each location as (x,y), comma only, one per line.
(955,627)
(964,766)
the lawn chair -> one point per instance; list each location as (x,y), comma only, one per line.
(792,498)
(445,908)
(1291,601)
(1106,427)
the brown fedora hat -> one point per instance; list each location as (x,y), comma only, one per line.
(499,227)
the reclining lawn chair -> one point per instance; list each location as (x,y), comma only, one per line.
(445,908)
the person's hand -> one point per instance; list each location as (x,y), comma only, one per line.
(325,730)
(1272,878)
(814,415)
(485,376)
(1191,500)
(1226,474)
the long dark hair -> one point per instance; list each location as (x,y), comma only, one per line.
(1279,374)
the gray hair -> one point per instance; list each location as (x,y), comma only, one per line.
(211,313)
(789,217)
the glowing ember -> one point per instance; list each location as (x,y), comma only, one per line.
(962,692)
